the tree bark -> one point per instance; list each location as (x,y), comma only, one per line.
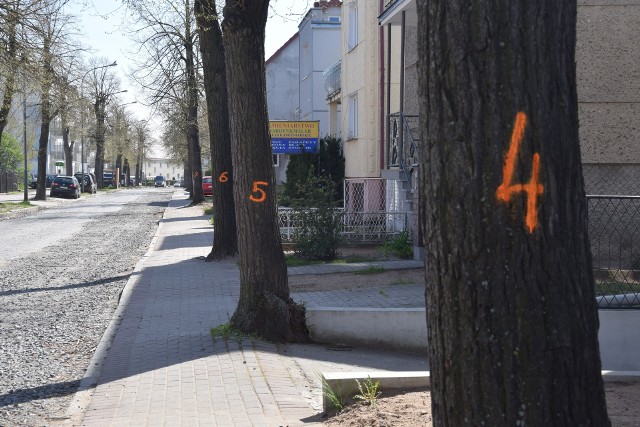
(265,306)
(225,240)
(99,110)
(193,138)
(9,84)
(68,151)
(512,318)
(45,117)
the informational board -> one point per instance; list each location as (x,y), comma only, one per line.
(294,137)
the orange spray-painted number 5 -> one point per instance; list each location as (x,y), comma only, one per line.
(262,196)
(533,188)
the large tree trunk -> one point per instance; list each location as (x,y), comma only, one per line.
(265,306)
(225,240)
(43,145)
(68,151)
(99,110)
(193,137)
(512,318)
(9,83)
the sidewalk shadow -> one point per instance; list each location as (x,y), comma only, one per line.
(167,322)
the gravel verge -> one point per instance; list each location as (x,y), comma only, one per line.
(53,311)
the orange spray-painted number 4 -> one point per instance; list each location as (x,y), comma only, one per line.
(262,196)
(533,188)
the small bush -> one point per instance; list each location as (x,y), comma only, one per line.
(399,246)
(317,235)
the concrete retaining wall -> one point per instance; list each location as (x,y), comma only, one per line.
(398,328)
(406,329)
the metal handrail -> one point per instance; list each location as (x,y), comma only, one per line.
(403,152)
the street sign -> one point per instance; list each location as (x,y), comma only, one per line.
(60,164)
(294,137)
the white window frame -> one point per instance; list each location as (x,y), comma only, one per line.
(352,112)
(352,34)
(276,160)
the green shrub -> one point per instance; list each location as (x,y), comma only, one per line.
(317,232)
(399,246)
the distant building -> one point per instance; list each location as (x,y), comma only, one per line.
(160,166)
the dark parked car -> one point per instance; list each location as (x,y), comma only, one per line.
(89,185)
(50,179)
(160,181)
(65,186)
(33,181)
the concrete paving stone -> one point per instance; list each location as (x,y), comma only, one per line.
(164,368)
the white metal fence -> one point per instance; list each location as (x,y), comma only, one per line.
(356,227)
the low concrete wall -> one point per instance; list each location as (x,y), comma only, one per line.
(619,338)
(398,328)
(406,329)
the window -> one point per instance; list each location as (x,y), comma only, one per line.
(333,19)
(353,25)
(276,160)
(353,116)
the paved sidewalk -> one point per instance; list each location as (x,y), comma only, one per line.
(164,369)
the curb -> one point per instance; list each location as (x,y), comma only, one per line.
(83,395)
(344,383)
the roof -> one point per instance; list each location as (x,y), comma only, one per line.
(281,48)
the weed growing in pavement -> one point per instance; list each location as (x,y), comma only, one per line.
(383,293)
(399,246)
(335,397)
(374,269)
(226,331)
(368,391)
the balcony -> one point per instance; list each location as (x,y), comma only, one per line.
(332,79)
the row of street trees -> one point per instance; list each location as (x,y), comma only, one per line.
(510,292)
(41,61)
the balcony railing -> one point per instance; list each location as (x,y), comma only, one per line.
(404,143)
(332,79)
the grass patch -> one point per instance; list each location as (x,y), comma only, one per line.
(614,288)
(10,206)
(352,259)
(294,261)
(374,269)
(208,211)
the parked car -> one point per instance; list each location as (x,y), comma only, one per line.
(160,181)
(107,179)
(176,184)
(64,185)
(89,185)
(33,181)
(49,180)
(207,186)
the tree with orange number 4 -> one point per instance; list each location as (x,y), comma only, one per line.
(265,307)
(511,312)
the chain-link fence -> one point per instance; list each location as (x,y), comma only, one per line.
(8,181)
(614,234)
(612,179)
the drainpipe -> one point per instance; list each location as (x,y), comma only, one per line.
(402,42)
(388,120)
(383,140)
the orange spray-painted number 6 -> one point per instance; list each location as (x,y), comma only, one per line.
(224,177)
(533,188)
(256,189)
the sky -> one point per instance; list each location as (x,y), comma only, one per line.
(100,24)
